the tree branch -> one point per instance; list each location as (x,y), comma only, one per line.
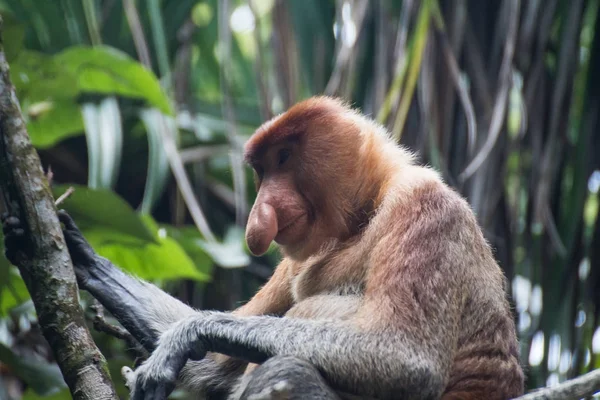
(576,388)
(45,264)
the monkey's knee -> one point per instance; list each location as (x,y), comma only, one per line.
(285,377)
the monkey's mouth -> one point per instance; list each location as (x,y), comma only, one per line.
(287,228)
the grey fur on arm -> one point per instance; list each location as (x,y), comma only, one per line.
(338,350)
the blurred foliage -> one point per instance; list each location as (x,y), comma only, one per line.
(143,106)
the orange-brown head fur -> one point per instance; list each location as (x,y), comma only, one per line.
(333,174)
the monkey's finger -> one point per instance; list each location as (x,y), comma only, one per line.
(66,219)
(10,223)
(129,377)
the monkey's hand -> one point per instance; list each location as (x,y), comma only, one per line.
(155,378)
(82,254)
(15,241)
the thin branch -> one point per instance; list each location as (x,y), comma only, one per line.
(183,182)
(261,67)
(201,153)
(459,84)
(421,35)
(285,53)
(101,325)
(559,111)
(170,146)
(64,196)
(346,50)
(393,95)
(137,32)
(497,121)
(577,388)
(237,166)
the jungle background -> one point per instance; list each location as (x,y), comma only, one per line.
(143,107)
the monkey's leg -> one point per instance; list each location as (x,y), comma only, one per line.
(284,377)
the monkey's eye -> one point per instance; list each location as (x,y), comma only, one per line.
(283,156)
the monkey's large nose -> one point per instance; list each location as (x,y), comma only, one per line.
(261,229)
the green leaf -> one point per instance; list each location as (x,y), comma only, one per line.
(151,261)
(39,77)
(190,240)
(48,98)
(104,69)
(49,122)
(103,209)
(44,378)
(14,293)
(16,32)
(64,394)
(158,163)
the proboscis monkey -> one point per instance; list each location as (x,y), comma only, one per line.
(387,288)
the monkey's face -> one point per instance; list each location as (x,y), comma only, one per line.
(306,162)
(280,213)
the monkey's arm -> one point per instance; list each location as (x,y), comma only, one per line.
(143,309)
(376,364)
(146,311)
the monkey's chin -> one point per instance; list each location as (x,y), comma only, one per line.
(292,232)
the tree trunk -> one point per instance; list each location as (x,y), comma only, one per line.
(45,264)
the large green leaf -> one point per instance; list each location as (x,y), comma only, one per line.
(189,239)
(47,93)
(64,394)
(14,291)
(151,261)
(103,209)
(49,122)
(16,32)
(40,77)
(104,69)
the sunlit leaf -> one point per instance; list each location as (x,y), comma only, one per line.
(12,29)
(103,209)
(52,121)
(104,69)
(189,239)
(40,77)
(104,137)
(162,260)
(14,291)
(64,394)
(158,164)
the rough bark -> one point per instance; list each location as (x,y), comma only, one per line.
(45,264)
